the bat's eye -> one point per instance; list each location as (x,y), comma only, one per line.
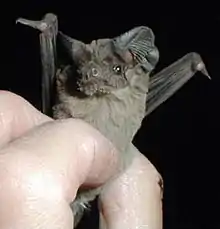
(95,72)
(117,69)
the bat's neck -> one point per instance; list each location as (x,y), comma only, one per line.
(118,115)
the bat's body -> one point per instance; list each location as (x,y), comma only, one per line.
(112,88)
(118,116)
(116,111)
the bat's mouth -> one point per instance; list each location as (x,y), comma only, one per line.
(94,87)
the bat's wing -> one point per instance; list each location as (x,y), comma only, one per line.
(49,29)
(162,85)
(165,83)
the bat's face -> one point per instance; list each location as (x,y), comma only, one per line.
(106,65)
(101,70)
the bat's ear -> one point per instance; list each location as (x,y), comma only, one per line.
(138,45)
(76,49)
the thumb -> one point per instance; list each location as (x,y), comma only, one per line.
(134,199)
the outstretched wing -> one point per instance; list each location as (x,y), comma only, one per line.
(165,83)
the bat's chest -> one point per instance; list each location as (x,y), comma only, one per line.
(117,117)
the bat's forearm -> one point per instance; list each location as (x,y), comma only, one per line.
(165,83)
(49,29)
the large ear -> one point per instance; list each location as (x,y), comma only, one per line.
(76,49)
(140,43)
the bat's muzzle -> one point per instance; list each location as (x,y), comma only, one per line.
(93,86)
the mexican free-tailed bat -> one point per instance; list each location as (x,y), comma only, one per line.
(108,84)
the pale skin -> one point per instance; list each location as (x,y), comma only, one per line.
(44,161)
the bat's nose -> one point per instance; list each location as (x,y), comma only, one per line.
(86,77)
(94,72)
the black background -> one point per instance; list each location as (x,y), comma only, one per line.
(180,137)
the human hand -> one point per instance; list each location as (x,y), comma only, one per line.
(44,161)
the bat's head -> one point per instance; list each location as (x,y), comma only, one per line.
(106,65)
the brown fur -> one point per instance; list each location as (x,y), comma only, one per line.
(109,92)
(117,116)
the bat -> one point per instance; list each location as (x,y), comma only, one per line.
(108,83)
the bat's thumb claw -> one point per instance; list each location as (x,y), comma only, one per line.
(205,72)
(201,67)
(49,21)
(35,24)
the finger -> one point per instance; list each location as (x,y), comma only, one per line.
(134,200)
(17,116)
(41,171)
